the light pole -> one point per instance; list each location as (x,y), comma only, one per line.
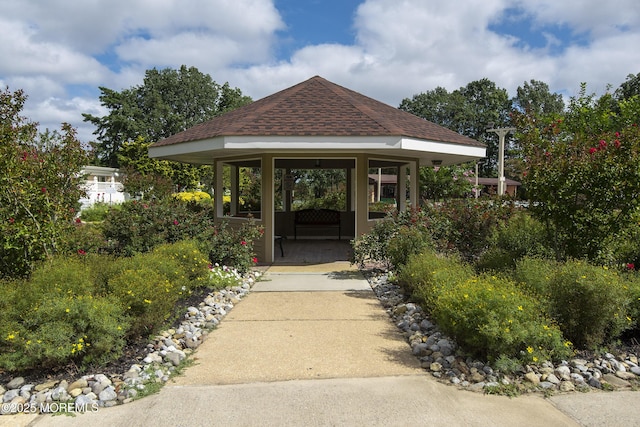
(502,132)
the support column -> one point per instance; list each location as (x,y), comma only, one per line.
(267,206)
(362,194)
(402,187)
(235,189)
(414,183)
(218,189)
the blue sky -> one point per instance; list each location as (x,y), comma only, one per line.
(316,22)
(60,51)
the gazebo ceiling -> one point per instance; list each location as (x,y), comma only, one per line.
(321,118)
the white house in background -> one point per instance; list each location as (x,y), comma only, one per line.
(103,185)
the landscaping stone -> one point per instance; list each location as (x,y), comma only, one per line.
(17,382)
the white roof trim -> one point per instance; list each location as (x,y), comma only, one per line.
(314,143)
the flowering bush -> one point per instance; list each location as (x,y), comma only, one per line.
(592,304)
(138,227)
(222,276)
(192,196)
(81,308)
(39,187)
(231,246)
(425,274)
(194,265)
(491,317)
(582,172)
(59,316)
(148,297)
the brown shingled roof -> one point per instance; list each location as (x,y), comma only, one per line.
(318,107)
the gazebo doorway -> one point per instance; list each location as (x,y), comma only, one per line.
(313,183)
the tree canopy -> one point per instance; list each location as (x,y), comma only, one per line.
(168,101)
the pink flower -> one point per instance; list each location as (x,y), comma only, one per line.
(255,260)
(603,144)
(617,134)
(11,220)
(78,220)
(43,189)
(592,150)
(243,243)
(81,252)
(631,266)
(616,143)
(175,222)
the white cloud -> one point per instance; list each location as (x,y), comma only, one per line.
(596,17)
(402,47)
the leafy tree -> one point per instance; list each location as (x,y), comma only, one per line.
(582,171)
(145,176)
(40,187)
(445,182)
(630,87)
(469,111)
(535,98)
(169,101)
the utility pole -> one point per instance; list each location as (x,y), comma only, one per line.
(502,132)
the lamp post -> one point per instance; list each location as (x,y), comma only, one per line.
(502,132)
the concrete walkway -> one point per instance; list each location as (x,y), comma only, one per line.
(314,347)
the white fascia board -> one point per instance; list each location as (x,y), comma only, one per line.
(187,148)
(442,148)
(311,142)
(296,143)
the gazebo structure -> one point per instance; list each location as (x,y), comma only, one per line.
(315,124)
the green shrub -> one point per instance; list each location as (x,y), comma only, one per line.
(380,245)
(634,301)
(147,296)
(405,242)
(622,248)
(533,275)
(138,227)
(68,276)
(57,317)
(98,212)
(425,274)
(517,237)
(490,317)
(465,225)
(373,245)
(590,303)
(83,239)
